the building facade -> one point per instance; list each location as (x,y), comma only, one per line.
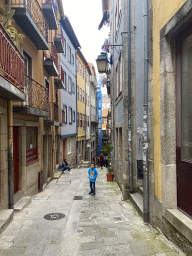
(68,94)
(28,94)
(82,69)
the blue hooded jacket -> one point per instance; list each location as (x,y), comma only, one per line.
(92,174)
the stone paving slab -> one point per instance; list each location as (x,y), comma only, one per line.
(96,225)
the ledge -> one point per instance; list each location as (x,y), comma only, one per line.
(22,203)
(6,217)
(179,221)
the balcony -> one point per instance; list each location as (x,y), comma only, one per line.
(51,64)
(36,102)
(11,69)
(55,120)
(30,18)
(59,40)
(93,80)
(50,13)
(60,80)
(94,118)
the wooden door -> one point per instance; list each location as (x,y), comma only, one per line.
(15,159)
(184,122)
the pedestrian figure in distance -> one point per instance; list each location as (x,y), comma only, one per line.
(101,160)
(92,173)
(64,166)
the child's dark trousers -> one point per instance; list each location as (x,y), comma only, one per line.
(92,186)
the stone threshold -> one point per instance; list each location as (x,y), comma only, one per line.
(137,201)
(179,221)
(57,175)
(22,203)
(6,216)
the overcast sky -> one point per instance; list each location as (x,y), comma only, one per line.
(85,17)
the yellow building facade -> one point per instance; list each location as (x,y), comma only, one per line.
(81,107)
(170,165)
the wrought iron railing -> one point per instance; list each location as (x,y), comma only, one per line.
(54,55)
(11,61)
(37,96)
(56,112)
(35,11)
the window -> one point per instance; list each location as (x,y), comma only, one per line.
(80,95)
(69,146)
(72,59)
(31,144)
(64,46)
(73,116)
(65,113)
(80,120)
(83,94)
(73,87)
(88,121)
(77,92)
(70,115)
(69,54)
(63,77)
(69,84)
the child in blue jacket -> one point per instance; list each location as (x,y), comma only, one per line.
(92,172)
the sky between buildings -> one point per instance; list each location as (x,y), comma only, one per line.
(85,17)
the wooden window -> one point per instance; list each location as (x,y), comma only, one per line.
(72,59)
(83,95)
(31,144)
(63,77)
(69,146)
(73,116)
(80,94)
(69,54)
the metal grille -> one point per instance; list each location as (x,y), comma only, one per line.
(78,198)
(54,216)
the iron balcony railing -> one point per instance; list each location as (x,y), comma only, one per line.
(11,61)
(37,96)
(54,55)
(35,11)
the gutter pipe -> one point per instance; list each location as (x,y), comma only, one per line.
(145,119)
(129,101)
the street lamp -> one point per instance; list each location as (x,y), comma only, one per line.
(102,63)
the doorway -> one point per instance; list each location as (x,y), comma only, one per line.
(16,158)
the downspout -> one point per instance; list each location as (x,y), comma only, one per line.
(129,101)
(145,119)
(10,154)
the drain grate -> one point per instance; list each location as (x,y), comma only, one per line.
(117,218)
(54,216)
(78,198)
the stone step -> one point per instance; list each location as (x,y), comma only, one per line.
(141,191)
(57,175)
(6,217)
(137,201)
(22,203)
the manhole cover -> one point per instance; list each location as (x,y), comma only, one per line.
(118,218)
(94,217)
(79,231)
(78,198)
(54,216)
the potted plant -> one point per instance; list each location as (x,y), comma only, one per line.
(107,148)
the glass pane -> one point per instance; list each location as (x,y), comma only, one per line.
(30,138)
(187,99)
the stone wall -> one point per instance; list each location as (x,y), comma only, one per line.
(71,157)
(4,200)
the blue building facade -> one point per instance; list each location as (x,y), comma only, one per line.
(69,93)
(99,114)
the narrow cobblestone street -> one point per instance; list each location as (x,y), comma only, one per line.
(100,225)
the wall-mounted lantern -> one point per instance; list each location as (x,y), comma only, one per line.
(102,63)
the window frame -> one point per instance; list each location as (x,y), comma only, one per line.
(34,150)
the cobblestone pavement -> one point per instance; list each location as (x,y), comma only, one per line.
(96,225)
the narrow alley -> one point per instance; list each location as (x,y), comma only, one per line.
(90,225)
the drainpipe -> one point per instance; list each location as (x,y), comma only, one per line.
(145,119)
(129,100)
(10,153)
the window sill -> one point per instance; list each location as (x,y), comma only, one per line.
(32,161)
